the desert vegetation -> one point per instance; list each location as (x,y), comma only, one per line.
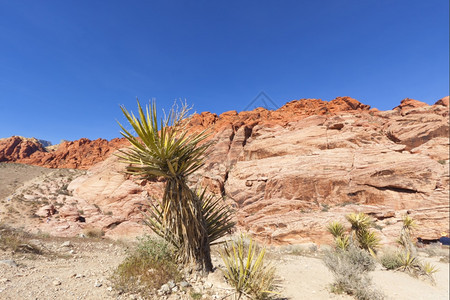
(357,251)
(405,258)
(246,270)
(147,267)
(353,257)
(186,219)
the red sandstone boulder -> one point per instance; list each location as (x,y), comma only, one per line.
(444,101)
(407,104)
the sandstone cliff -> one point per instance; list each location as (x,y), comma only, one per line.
(289,172)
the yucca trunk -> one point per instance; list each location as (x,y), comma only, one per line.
(184,219)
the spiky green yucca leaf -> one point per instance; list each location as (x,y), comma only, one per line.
(336,229)
(218,218)
(162,151)
(429,269)
(359,221)
(408,223)
(368,240)
(342,242)
(408,261)
(245,269)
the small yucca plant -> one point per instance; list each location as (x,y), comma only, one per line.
(361,234)
(408,223)
(342,242)
(408,262)
(405,239)
(336,229)
(245,269)
(359,221)
(368,240)
(428,269)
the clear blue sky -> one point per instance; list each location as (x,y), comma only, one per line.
(66,66)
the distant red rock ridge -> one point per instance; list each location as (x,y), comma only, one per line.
(84,153)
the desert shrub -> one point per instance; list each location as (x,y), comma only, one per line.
(350,268)
(150,265)
(17,241)
(390,259)
(435,249)
(407,255)
(303,250)
(445,259)
(95,233)
(63,190)
(246,271)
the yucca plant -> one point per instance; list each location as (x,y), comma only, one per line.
(359,221)
(246,271)
(405,239)
(336,229)
(366,239)
(166,149)
(408,223)
(341,239)
(409,263)
(428,269)
(342,242)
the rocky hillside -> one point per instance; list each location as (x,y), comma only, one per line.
(79,154)
(287,172)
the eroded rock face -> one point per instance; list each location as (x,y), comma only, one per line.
(16,148)
(289,172)
(79,154)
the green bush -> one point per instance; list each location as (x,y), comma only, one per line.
(149,266)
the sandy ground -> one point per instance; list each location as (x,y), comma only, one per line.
(78,271)
(81,271)
(308,278)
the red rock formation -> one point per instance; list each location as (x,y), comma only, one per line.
(407,104)
(444,101)
(16,148)
(287,177)
(291,171)
(79,154)
(84,153)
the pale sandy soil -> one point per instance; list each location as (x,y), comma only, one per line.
(308,278)
(61,275)
(81,271)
